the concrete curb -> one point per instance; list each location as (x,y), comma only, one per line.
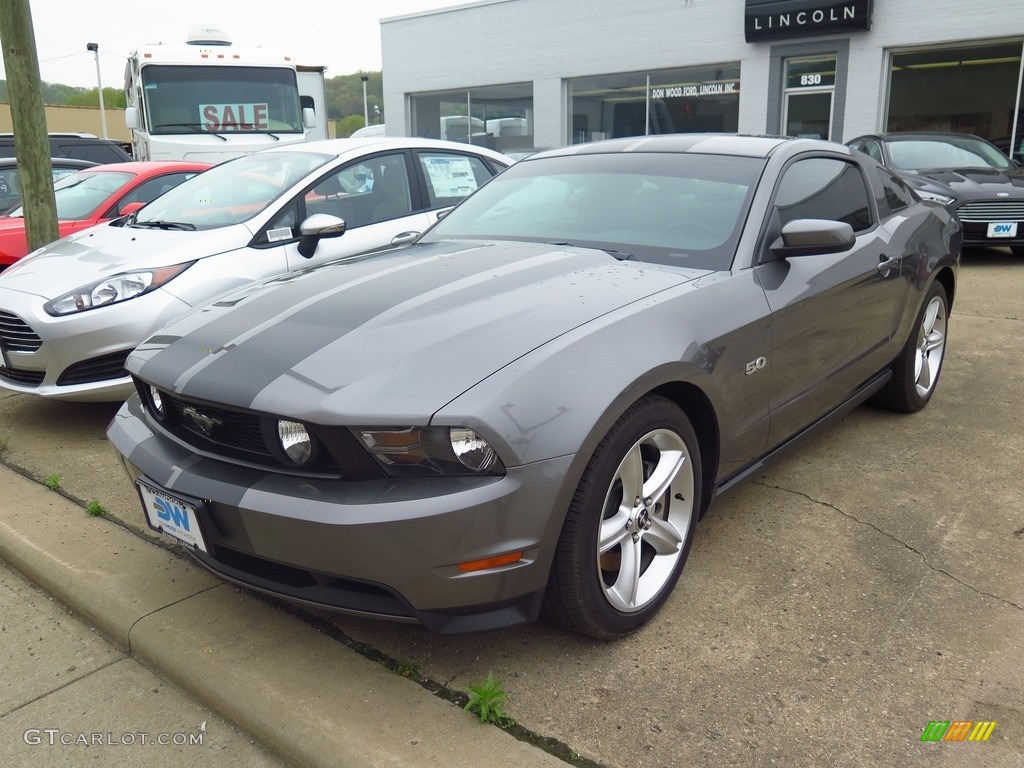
(304,695)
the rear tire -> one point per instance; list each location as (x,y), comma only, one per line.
(630,524)
(916,371)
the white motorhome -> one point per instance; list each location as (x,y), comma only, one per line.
(209,100)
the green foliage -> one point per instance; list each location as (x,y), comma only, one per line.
(53,481)
(345,96)
(348,125)
(95,509)
(486,700)
(113,98)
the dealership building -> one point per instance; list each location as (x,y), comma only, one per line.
(544,73)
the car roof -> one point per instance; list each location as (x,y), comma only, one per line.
(143,166)
(355,144)
(897,135)
(67,162)
(697,143)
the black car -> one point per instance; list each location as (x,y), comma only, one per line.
(969,175)
(10,177)
(80,146)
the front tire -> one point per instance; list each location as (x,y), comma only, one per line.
(630,524)
(916,370)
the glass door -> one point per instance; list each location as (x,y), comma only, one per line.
(807,99)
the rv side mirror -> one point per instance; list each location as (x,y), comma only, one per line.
(308,118)
(131,118)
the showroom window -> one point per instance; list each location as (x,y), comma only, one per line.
(690,100)
(497,116)
(971,89)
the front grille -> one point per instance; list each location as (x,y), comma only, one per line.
(95,369)
(223,427)
(26,378)
(16,334)
(991,210)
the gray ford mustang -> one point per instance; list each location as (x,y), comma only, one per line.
(526,412)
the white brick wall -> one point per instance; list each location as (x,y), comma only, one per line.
(546,41)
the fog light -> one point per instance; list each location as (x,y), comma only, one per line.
(295,440)
(157,401)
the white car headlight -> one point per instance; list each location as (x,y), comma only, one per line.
(111,290)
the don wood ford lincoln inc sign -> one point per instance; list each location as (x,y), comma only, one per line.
(773,19)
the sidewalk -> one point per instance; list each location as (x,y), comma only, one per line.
(305,697)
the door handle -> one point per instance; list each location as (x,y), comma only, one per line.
(885,263)
(404,238)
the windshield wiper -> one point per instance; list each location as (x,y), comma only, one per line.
(197,127)
(160,224)
(611,251)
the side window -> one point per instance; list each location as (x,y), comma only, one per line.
(871,149)
(149,190)
(451,177)
(897,194)
(823,188)
(364,192)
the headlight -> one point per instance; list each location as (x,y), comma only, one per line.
(157,402)
(113,289)
(935,197)
(431,451)
(295,441)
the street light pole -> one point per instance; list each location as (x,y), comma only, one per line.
(95,48)
(366,108)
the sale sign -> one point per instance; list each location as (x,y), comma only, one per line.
(235,117)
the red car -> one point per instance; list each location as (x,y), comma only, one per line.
(95,195)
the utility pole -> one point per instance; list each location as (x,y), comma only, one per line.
(32,145)
(95,48)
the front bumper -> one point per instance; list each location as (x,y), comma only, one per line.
(383,548)
(77,357)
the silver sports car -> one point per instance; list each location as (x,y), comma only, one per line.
(71,312)
(528,411)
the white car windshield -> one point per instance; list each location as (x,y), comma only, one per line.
(231,192)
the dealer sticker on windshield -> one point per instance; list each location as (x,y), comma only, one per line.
(1002,229)
(173,516)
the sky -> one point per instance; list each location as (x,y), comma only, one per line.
(343,35)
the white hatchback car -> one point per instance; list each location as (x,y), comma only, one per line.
(72,311)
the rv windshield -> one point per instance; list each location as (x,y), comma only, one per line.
(221,99)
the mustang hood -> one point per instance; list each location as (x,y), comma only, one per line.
(389,339)
(106,250)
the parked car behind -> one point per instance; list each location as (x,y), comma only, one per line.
(80,146)
(71,312)
(966,173)
(10,178)
(94,195)
(529,409)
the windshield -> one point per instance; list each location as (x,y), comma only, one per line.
(682,209)
(221,99)
(80,195)
(231,192)
(920,154)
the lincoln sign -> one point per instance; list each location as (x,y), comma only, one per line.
(773,19)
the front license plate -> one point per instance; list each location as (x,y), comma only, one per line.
(173,516)
(1002,229)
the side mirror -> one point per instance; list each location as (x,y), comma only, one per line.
(315,228)
(308,118)
(806,237)
(130,208)
(131,118)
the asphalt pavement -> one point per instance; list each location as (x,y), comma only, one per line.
(867,584)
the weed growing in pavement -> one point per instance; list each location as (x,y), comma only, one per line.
(95,509)
(486,699)
(3,442)
(409,669)
(53,481)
